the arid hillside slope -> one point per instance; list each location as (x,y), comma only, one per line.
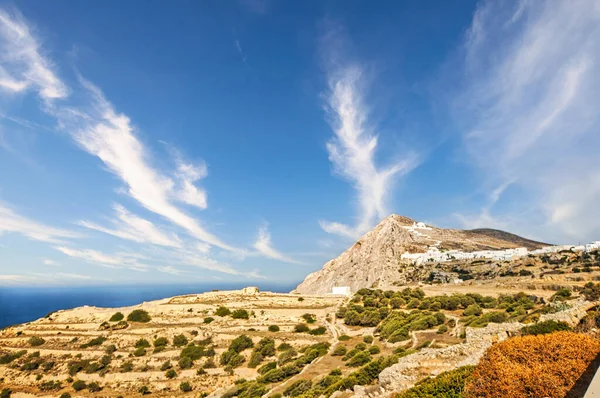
(373,261)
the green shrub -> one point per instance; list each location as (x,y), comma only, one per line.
(209,364)
(171,374)
(255,359)
(79,385)
(193,352)
(139,352)
(344,337)
(232,359)
(65,395)
(339,351)
(368,339)
(448,384)
(442,329)
(361,346)
(286,356)
(284,347)
(373,350)
(309,318)
(301,328)
(300,298)
(117,316)
(335,372)
(142,343)
(180,340)
(359,359)
(222,311)
(126,367)
(298,388)
(185,387)
(50,385)
(97,341)
(144,390)
(266,367)
(161,342)
(208,319)
(36,341)
(321,330)
(8,358)
(273,328)
(266,346)
(241,343)
(185,363)
(545,327)
(110,349)
(472,310)
(5,393)
(94,387)
(166,366)
(279,374)
(139,316)
(561,295)
(240,314)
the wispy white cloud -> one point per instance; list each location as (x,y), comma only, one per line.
(529,104)
(167,269)
(104,133)
(102,259)
(72,276)
(10,221)
(53,263)
(352,150)
(264,246)
(131,227)
(23,65)
(240,50)
(187,175)
(37,278)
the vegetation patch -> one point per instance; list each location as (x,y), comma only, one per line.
(139,316)
(116,317)
(546,365)
(448,384)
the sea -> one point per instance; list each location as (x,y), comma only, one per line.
(25,304)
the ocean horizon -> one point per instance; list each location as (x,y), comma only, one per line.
(25,304)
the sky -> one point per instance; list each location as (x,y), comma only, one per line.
(254,140)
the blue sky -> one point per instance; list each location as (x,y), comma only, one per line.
(254,140)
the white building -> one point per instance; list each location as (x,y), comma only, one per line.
(341,290)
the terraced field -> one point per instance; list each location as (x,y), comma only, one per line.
(121,357)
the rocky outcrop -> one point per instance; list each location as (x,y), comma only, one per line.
(374,260)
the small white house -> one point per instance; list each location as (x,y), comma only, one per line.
(341,290)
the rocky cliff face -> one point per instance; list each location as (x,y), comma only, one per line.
(374,260)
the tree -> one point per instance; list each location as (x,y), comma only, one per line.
(273,328)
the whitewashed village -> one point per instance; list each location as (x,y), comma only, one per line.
(434,254)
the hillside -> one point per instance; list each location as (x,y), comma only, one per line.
(248,344)
(374,260)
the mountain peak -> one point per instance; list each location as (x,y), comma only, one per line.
(374,260)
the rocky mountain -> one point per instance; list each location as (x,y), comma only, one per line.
(374,260)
